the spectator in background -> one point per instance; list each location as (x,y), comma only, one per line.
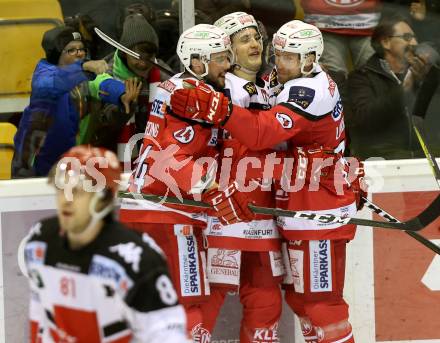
(130,7)
(346,27)
(102,12)
(423,15)
(167,27)
(85,25)
(272,12)
(108,126)
(49,125)
(377,96)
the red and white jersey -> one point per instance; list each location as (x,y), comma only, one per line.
(177,160)
(308,113)
(114,290)
(350,17)
(260,234)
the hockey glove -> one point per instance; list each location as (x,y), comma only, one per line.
(359,186)
(199,102)
(229,206)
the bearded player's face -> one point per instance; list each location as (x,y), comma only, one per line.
(218,65)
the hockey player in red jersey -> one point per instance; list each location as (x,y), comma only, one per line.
(178,158)
(92,280)
(308,114)
(245,257)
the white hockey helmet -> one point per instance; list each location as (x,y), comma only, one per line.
(201,41)
(234,22)
(299,38)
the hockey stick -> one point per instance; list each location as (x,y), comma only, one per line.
(379,211)
(431,160)
(415,224)
(132,53)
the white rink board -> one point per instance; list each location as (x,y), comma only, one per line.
(398,176)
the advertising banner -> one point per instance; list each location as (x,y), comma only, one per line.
(392,281)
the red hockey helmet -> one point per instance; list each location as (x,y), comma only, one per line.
(86,162)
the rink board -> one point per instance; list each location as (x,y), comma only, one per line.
(392,282)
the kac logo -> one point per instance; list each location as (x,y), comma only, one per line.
(285,121)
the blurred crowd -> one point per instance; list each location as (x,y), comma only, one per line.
(383,55)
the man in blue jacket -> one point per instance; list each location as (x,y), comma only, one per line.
(49,125)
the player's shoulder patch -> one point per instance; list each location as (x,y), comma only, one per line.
(285,120)
(302,96)
(184,135)
(168,85)
(35,252)
(250,88)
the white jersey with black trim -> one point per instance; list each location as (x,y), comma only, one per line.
(245,93)
(308,114)
(115,289)
(311,94)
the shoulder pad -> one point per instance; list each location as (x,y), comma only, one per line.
(302,96)
(250,88)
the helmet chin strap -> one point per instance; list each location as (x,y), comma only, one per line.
(245,70)
(95,218)
(303,64)
(199,76)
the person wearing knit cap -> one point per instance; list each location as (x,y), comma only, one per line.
(63,46)
(137,35)
(62,84)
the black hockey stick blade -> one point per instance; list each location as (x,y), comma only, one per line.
(426,217)
(130,52)
(381,212)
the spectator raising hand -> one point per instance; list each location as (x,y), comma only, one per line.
(132,90)
(418,10)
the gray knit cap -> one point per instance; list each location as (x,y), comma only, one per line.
(137,30)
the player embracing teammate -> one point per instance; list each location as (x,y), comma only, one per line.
(245,257)
(307,117)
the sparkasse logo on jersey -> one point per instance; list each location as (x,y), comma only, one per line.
(189,266)
(320,266)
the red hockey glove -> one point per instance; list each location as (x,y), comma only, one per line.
(359,186)
(229,206)
(200,102)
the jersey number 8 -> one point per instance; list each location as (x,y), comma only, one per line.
(166,290)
